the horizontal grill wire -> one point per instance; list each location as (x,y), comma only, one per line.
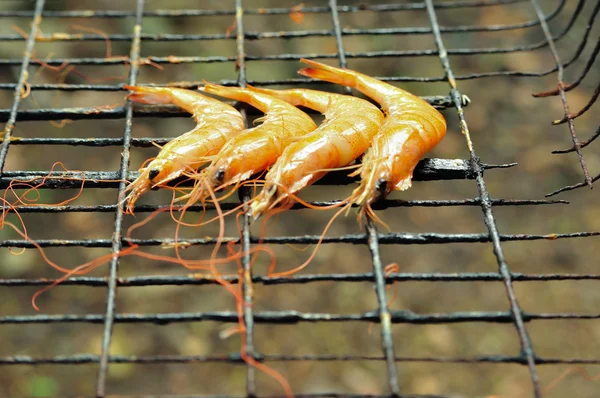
(384,239)
(427,169)
(162,280)
(233,358)
(259,11)
(287,35)
(292,317)
(430,169)
(118,112)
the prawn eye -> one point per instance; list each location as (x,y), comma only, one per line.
(381,186)
(220,175)
(153,173)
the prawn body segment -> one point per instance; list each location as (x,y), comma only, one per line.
(389,164)
(411,129)
(255,149)
(217,123)
(349,127)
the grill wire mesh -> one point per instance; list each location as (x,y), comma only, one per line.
(153,329)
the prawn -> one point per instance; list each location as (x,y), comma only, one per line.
(217,123)
(412,128)
(349,127)
(255,149)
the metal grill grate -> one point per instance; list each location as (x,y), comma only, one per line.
(429,170)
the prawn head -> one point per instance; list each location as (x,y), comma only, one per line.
(158,172)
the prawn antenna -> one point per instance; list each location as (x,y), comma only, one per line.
(236,292)
(289,199)
(567,372)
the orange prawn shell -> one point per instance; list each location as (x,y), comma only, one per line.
(411,129)
(255,149)
(409,132)
(349,126)
(217,122)
(345,137)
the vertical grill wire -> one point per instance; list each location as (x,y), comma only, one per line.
(134,56)
(247,288)
(372,238)
(568,87)
(486,206)
(387,344)
(561,90)
(23,75)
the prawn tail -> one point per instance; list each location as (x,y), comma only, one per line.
(238,94)
(328,73)
(367,85)
(294,96)
(235,93)
(262,90)
(148,95)
(281,94)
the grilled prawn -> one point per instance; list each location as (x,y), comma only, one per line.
(350,125)
(255,149)
(411,129)
(217,123)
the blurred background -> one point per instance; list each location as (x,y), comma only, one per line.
(506,123)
